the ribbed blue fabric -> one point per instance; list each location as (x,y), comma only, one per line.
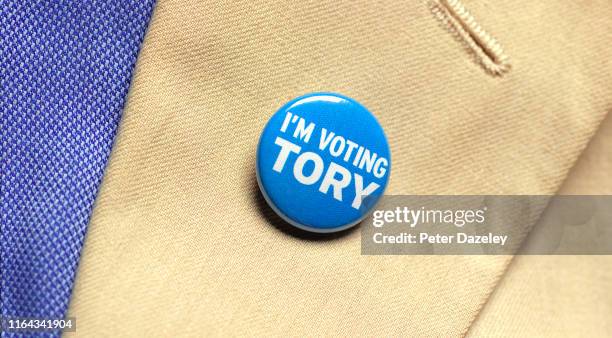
(65,71)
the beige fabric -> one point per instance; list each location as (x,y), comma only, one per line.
(181,242)
(592,173)
(568,296)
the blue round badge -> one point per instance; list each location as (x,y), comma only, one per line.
(323,162)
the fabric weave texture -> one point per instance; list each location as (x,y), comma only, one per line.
(66,67)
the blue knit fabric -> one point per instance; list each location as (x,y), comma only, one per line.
(65,71)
